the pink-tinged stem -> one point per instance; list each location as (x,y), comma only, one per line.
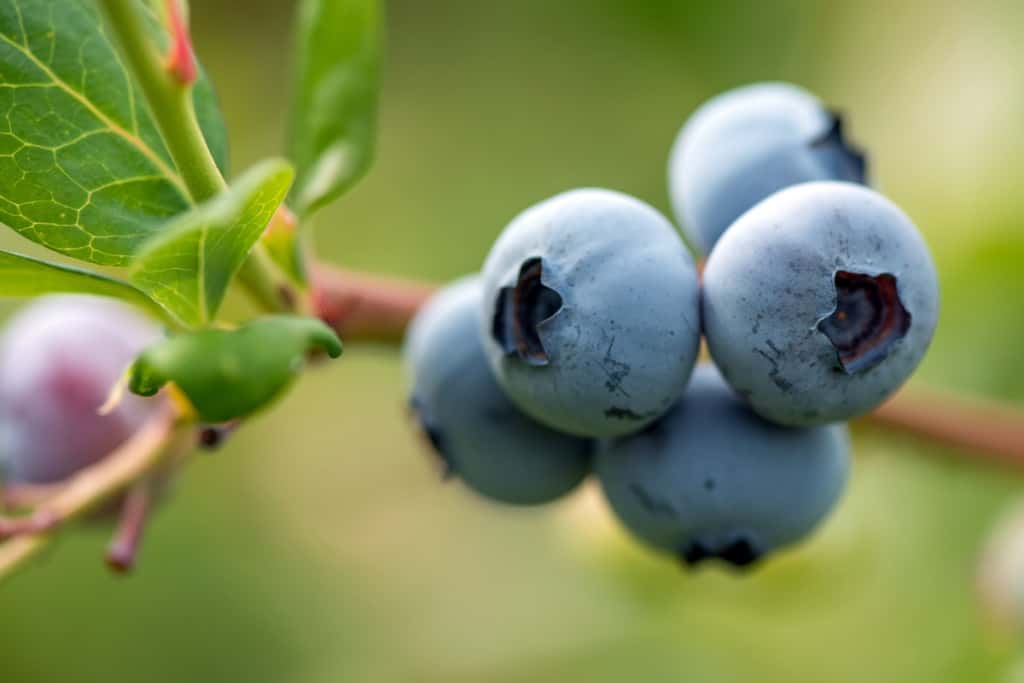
(134,459)
(181,61)
(124,547)
(21,496)
(981,429)
(364,307)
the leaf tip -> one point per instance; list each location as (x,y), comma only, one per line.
(331,344)
(143,379)
(321,337)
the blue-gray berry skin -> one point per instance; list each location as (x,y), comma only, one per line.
(747,144)
(591,313)
(713,480)
(59,358)
(819,303)
(475,431)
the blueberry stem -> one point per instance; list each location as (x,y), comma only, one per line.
(981,431)
(378,309)
(366,307)
(21,496)
(124,546)
(158,441)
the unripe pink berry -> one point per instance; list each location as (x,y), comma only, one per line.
(59,358)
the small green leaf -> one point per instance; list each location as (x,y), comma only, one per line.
(187,267)
(232,374)
(335,108)
(24,276)
(83,169)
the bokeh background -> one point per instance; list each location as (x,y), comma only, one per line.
(319,545)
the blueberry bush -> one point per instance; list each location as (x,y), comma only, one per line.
(575,353)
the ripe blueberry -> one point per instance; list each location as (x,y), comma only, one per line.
(478,434)
(713,480)
(591,313)
(747,144)
(59,358)
(819,302)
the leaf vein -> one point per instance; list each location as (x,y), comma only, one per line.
(116,128)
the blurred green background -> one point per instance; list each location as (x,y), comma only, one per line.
(319,546)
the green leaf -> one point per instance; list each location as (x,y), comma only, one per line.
(24,276)
(187,268)
(231,374)
(83,169)
(335,107)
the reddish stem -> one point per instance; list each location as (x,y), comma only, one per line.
(363,307)
(992,431)
(124,547)
(181,61)
(145,451)
(366,307)
(20,496)
(38,522)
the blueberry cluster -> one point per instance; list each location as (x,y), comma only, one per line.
(574,350)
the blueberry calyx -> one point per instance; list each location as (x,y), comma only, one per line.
(854,161)
(868,320)
(520,310)
(740,552)
(694,553)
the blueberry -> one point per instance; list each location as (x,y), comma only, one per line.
(819,303)
(745,145)
(713,480)
(59,358)
(477,433)
(591,313)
